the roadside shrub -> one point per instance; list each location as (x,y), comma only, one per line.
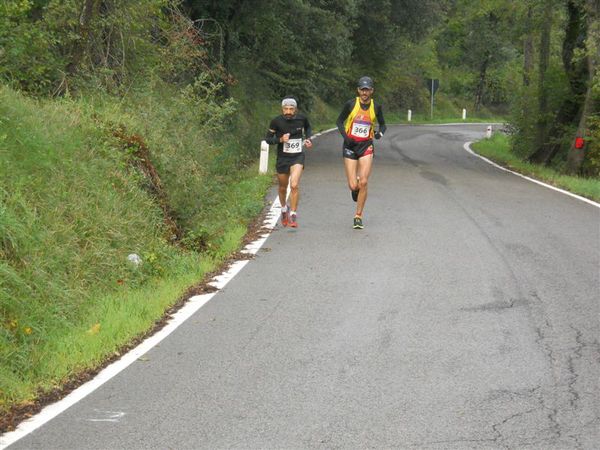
(591,163)
(28,55)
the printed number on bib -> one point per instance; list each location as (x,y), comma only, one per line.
(361,130)
(292,146)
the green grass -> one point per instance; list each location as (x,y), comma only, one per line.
(420,119)
(72,209)
(497,149)
(112,320)
(446,110)
(323,116)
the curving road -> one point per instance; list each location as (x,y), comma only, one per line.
(465,315)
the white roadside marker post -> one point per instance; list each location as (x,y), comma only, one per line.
(409,115)
(264,157)
(464,114)
(488,132)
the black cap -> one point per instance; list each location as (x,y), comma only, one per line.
(365,82)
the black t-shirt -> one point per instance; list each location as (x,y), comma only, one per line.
(298,127)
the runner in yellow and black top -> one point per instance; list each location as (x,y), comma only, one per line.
(291,132)
(356,123)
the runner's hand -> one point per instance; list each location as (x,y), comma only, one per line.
(285,137)
(307,143)
(378,135)
(348,142)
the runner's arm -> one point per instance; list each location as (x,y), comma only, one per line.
(271,136)
(380,119)
(342,118)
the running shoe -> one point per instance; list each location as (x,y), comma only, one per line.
(358,225)
(293,222)
(355,195)
(284,219)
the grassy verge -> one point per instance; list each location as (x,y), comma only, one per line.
(498,149)
(72,208)
(112,320)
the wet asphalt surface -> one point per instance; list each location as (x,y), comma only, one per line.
(465,315)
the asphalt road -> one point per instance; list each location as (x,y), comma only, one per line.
(464,315)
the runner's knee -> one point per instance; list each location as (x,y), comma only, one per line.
(294,185)
(362,183)
(353,185)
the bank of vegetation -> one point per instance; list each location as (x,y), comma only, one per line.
(132,127)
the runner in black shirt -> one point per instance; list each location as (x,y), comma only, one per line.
(291,132)
(356,124)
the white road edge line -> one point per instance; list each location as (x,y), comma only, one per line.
(445,124)
(191,306)
(467,147)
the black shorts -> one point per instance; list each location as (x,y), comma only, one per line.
(358,152)
(284,162)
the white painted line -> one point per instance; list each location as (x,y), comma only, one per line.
(323,132)
(445,124)
(185,312)
(467,147)
(221,280)
(111,416)
(51,411)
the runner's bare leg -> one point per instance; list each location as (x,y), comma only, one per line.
(283,179)
(365,164)
(295,174)
(350,165)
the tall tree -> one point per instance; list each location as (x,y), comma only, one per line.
(479,37)
(382,25)
(298,46)
(591,102)
(544,59)
(82,44)
(528,47)
(550,130)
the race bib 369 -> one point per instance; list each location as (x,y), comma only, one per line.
(292,146)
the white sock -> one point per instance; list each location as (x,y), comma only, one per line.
(284,208)
(292,213)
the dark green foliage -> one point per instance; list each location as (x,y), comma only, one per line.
(477,44)
(299,47)
(29,57)
(591,165)
(55,47)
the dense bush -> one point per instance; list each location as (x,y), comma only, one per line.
(591,165)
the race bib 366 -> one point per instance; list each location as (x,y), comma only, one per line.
(360,130)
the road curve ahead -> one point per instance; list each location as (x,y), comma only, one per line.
(465,315)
